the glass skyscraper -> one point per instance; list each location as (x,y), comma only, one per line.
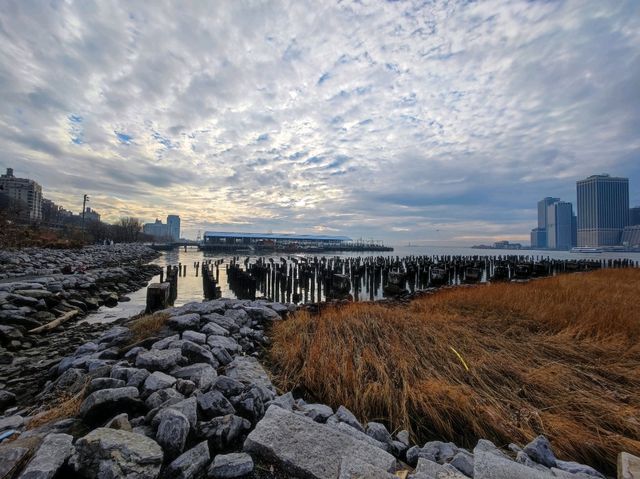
(603,210)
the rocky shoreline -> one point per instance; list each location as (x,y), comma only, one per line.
(193,400)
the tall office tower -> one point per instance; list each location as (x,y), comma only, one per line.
(538,238)
(634,216)
(603,210)
(559,225)
(543,206)
(173,222)
(25,194)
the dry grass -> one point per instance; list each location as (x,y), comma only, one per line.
(65,406)
(146,326)
(559,356)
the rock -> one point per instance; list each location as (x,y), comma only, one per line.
(121,421)
(403,437)
(71,381)
(164,343)
(114,336)
(11,422)
(353,432)
(262,314)
(202,374)
(110,453)
(463,462)
(198,354)
(213,403)
(490,463)
(160,397)
(378,432)
(184,322)
(185,387)
(159,360)
(188,407)
(214,329)
(309,449)
(100,405)
(229,466)
(223,321)
(576,468)
(11,460)
(317,412)
(194,337)
(224,431)
(54,451)
(137,378)
(628,466)
(540,451)
(434,451)
(427,469)
(223,342)
(157,381)
(190,464)
(7,399)
(286,401)
(172,433)
(227,386)
(248,371)
(105,383)
(356,469)
(346,416)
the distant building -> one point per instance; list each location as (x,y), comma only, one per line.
(634,216)
(53,214)
(543,221)
(91,215)
(603,210)
(560,225)
(538,238)
(25,194)
(631,236)
(504,244)
(164,232)
(173,222)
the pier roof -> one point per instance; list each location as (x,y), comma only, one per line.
(274,236)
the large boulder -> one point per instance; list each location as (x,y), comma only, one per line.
(112,453)
(100,405)
(223,431)
(7,399)
(202,374)
(184,322)
(540,451)
(249,371)
(230,466)
(157,381)
(172,433)
(310,449)
(213,403)
(159,359)
(54,451)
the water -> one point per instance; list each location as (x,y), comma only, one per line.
(190,285)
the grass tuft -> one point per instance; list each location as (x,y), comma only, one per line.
(146,326)
(65,406)
(558,356)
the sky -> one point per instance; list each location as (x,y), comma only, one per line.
(438,122)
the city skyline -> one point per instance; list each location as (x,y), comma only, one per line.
(398,121)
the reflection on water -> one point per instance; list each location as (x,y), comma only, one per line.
(190,283)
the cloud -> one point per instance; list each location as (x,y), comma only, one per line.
(396,120)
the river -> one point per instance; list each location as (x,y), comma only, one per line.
(190,285)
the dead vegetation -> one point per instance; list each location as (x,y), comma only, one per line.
(65,406)
(146,326)
(559,356)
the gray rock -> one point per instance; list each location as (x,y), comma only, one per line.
(105,383)
(157,381)
(194,337)
(12,458)
(229,466)
(164,343)
(286,401)
(110,453)
(223,321)
(346,416)
(353,432)
(213,403)
(188,407)
(100,405)
(227,386)
(223,342)
(576,468)
(11,422)
(160,397)
(490,463)
(202,374)
(463,462)
(184,322)
(224,431)
(196,353)
(115,336)
(214,329)
(403,437)
(540,451)
(71,381)
(191,464)
(138,377)
(317,412)
(53,452)
(310,449)
(172,433)
(7,399)
(427,469)
(356,469)
(248,371)
(262,314)
(121,421)
(159,360)
(185,387)
(221,355)
(378,432)
(434,451)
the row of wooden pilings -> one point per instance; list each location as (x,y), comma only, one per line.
(163,294)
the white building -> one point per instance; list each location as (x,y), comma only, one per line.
(25,193)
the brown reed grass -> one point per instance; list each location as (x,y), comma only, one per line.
(558,356)
(146,326)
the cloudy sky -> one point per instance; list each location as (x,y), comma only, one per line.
(432,121)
